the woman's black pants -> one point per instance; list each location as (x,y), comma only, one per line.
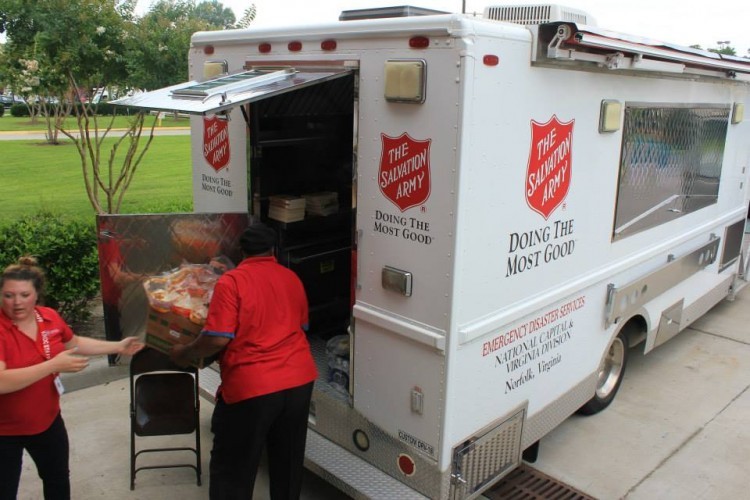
(49,450)
(277,421)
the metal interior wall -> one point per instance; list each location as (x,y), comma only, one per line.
(335,97)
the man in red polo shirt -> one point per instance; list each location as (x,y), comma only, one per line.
(256,318)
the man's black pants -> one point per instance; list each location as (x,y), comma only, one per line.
(277,421)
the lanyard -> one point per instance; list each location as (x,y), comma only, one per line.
(44,334)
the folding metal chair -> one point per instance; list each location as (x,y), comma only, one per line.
(164,400)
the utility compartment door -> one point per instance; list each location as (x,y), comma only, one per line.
(226,92)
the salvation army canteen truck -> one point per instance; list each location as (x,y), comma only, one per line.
(487,213)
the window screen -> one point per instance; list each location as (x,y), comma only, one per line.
(670,163)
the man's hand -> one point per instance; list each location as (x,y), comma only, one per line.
(178,355)
(205,346)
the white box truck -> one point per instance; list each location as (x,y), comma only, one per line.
(512,203)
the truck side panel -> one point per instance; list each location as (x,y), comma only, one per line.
(531,286)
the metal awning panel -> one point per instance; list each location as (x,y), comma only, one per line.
(220,94)
(664,52)
(620,51)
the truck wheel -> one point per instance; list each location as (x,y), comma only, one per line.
(611,372)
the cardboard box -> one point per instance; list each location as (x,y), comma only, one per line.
(165,329)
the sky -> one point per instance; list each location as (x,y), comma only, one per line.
(677,21)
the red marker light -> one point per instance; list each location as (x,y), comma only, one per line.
(264,48)
(208,49)
(419,42)
(294,46)
(328,45)
(491,60)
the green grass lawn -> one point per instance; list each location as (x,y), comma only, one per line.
(37,176)
(17,124)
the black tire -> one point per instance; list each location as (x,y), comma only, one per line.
(611,372)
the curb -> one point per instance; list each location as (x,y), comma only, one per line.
(33,132)
(97,373)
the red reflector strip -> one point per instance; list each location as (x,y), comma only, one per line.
(264,48)
(294,46)
(419,42)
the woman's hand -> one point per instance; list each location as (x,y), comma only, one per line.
(129,346)
(69,362)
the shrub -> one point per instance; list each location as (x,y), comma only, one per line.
(158,207)
(108,109)
(103,109)
(2,109)
(19,110)
(66,251)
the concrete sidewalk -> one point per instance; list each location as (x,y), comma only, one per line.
(678,429)
(95,408)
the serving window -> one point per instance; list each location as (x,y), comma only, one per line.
(670,165)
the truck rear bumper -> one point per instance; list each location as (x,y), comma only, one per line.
(351,474)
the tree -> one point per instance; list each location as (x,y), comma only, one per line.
(159,59)
(26,70)
(80,44)
(724,48)
(66,48)
(729,51)
(247,17)
(215,14)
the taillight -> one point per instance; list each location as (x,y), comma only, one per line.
(406,464)
(264,48)
(294,46)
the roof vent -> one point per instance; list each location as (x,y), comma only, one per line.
(378,13)
(537,14)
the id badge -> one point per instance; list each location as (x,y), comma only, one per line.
(59,385)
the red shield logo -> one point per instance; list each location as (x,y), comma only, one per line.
(216,142)
(404,176)
(550,162)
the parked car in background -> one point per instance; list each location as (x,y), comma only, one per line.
(9,100)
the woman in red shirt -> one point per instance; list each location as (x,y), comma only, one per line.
(36,345)
(257,319)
